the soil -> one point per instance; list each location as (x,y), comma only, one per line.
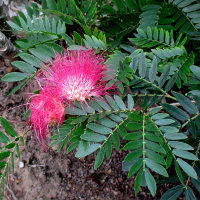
(49,175)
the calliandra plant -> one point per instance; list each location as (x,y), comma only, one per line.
(151,53)
(73,76)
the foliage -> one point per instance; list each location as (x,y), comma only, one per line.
(152,52)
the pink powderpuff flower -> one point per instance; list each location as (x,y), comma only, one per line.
(47,110)
(77,75)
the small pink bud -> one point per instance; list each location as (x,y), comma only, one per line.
(47,109)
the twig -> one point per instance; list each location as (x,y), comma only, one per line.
(37,166)
(12,193)
(23,134)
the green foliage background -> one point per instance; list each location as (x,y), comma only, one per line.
(152,48)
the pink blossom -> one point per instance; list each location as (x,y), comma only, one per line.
(76,75)
(47,110)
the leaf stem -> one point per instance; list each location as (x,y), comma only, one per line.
(143,138)
(193,164)
(25,132)
(187,122)
(157,87)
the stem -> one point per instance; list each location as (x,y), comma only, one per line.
(154,85)
(14,140)
(25,132)
(169,147)
(193,164)
(113,132)
(12,151)
(143,138)
(187,122)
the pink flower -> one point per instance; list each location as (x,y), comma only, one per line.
(76,75)
(47,110)
(73,76)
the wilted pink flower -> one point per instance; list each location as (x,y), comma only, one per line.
(47,109)
(76,75)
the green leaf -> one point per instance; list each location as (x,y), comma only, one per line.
(23,66)
(133,145)
(14,26)
(115,118)
(99,158)
(159,116)
(161,35)
(103,104)
(175,136)
(153,70)
(10,146)
(162,122)
(99,128)
(164,76)
(156,167)
(107,122)
(133,126)
(171,82)
(4,138)
(196,183)
(2,164)
(155,157)
(132,136)
(31,59)
(74,111)
(168,129)
(122,131)
(196,71)
(112,103)
(108,148)
(133,155)
(13,162)
(180,145)
(169,160)
(120,5)
(153,111)
(186,103)
(179,172)
(93,137)
(173,193)
(142,65)
(188,169)
(151,183)
(8,127)
(185,154)
(72,146)
(14,76)
(189,194)
(135,167)
(119,102)
(130,102)
(82,151)
(155,147)
(79,120)
(18,151)
(116,141)
(52,4)
(138,181)
(4,155)
(176,112)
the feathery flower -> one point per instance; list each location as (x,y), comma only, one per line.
(76,75)
(47,110)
